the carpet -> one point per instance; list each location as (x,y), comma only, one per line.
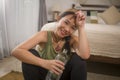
(13,76)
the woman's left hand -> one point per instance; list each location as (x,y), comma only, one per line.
(80,20)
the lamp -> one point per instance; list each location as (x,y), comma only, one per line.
(56,11)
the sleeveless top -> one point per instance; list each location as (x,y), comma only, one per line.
(48,51)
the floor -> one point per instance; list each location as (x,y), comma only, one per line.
(103,71)
(104,68)
(9,64)
(95,71)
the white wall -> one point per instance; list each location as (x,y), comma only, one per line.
(62,4)
(66,4)
(21,20)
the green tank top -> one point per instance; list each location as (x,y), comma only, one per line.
(48,51)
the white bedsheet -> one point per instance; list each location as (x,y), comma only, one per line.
(104,40)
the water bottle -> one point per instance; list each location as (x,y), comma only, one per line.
(62,57)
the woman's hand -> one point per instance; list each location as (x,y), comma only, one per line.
(80,20)
(55,66)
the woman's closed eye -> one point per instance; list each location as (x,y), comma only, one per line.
(66,22)
(73,27)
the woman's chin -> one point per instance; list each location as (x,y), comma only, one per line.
(61,36)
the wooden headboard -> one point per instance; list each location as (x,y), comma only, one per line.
(99,8)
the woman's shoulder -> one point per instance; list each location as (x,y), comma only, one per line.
(45,32)
(42,35)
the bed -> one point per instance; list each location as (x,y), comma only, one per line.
(103,31)
(104,41)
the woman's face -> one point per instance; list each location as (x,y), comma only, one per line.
(66,26)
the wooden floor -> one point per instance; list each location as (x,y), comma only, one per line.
(103,68)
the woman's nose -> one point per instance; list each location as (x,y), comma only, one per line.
(68,30)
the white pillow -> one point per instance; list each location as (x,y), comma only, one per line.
(100,20)
(111,15)
(49,26)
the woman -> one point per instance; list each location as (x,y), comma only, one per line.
(35,65)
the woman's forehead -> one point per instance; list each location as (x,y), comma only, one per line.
(70,17)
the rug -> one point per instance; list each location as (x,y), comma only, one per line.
(13,76)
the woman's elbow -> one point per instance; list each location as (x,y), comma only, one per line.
(86,55)
(13,52)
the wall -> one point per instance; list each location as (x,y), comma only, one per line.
(66,4)
(61,4)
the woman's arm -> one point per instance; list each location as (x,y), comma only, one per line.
(21,52)
(81,45)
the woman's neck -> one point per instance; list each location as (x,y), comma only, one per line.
(55,36)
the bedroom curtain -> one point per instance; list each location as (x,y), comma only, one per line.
(4,44)
(42,14)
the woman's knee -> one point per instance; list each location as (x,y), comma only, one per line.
(26,67)
(77,61)
(78,65)
(33,72)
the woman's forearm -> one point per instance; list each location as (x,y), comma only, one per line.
(27,57)
(84,50)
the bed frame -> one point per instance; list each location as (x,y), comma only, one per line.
(104,59)
(99,8)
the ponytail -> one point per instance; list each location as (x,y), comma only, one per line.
(67,45)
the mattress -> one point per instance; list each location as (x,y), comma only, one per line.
(104,40)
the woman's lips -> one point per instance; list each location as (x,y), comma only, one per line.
(62,33)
